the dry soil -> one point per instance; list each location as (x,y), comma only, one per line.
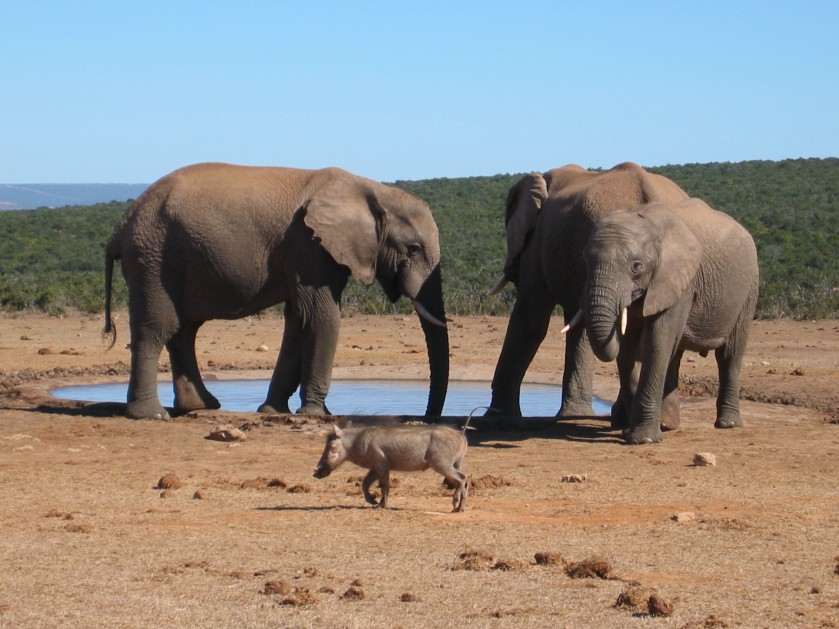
(565,525)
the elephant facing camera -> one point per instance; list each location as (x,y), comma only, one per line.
(663,279)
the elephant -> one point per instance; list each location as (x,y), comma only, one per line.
(221,241)
(548,221)
(678,277)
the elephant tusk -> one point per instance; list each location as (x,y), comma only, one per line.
(577,318)
(624,317)
(501,284)
(422,311)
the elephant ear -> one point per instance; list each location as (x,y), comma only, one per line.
(679,257)
(524,202)
(350,224)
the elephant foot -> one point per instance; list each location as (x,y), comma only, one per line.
(670,417)
(313,408)
(274,409)
(148,408)
(185,404)
(642,435)
(502,410)
(728,421)
(575,409)
(188,398)
(619,419)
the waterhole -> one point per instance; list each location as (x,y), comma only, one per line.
(350,397)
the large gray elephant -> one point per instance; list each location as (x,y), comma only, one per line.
(549,218)
(218,241)
(662,279)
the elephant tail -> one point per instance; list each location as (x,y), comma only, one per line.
(111,254)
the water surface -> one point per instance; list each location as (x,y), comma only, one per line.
(350,397)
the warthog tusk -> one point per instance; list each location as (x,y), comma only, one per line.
(624,316)
(500,285)
(422,311)
(577,318)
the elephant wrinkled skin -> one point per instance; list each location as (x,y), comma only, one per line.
(548,221)
(218,241)
(687,277)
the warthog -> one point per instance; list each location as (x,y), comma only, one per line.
(402,448)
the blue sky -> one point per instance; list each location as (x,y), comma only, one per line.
(119,91)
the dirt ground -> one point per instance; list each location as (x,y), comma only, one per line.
(563,520)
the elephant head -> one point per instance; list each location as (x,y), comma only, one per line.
(646,257)
(381,232)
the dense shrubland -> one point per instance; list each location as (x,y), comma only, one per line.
(52,259)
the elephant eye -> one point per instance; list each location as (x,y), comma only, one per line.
(637,266)
(413,249)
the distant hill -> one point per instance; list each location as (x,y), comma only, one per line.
(31,196)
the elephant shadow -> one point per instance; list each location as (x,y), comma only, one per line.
(499,432)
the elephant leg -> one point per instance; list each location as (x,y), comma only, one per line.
(659,341)
(670,417)
(319,342)
(190,392)
(629,370)
(577,375)
(143,401)
(286,377)
(728,398)
(526,330)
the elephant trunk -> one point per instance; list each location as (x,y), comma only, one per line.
(603,310)
(430,297)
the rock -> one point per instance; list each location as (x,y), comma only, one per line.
(701,459)
(169,481)
(549,559)
(573,478)
(659,606)
(635,598)
(277,587)
(226,433)
(683,516)
(262,348)
(592,568)
(353,594)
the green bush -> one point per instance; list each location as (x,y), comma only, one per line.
(53,259)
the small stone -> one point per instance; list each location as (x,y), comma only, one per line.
(591,568)
(573,478)
(169,481)
(549,559)
(683,516)
(262,348)
(635,598)
(659,606)
(353,594)
(198,495)
(277,587)
(299,489)
(226,433)
(408,597)
(702,459)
